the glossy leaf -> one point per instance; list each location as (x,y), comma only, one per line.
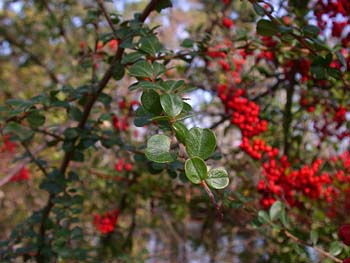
(158,149)
(151,101)
(218,178)
(200,142)
(196,170)
(171,104)
(181,131)
(141,69)
(266,28)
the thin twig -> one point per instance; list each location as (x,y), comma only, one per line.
(212,199)
(318,249)
(104,11)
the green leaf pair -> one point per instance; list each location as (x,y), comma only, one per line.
(196,171)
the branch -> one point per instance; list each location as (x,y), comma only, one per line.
(110,23)
(212,199)
(318,249)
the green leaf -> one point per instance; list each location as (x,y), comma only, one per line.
(336,248)
(266,28)
(162,4)
(142,117)
(22,132)
(276,210)
(258,9)
(119,71)
(196,170)
(151,101)
(172,85)
(145,85)
(35,119)
(341,59)
(311,31)
(200,142)
(75,113)
(181,131)
(105,99)
(187,43)
(217,178)
(318,71)
(141,69)
(132,57)
(263,217)
(158,149)
(171,104)
(314,236)
(158,69)
(150,45)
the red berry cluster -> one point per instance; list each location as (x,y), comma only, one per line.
(335,13)
(122,123)
(121,165)
(106,223)
(281,181)
(245,113)
(22,175)
(227,22)
(9,147)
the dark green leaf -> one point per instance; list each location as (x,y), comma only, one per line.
(151,101)
(22,132)
(162,4)
(119,71)
(187,43)
(258,9)
(341,59)
(141,69)
(266,28)
(311,31)
(35,119)
(158,69)
(150,45)
(132,57)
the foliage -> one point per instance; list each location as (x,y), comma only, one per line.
(107,134)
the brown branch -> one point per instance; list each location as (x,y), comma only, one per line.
(104,11)
(318,249)
(212,199)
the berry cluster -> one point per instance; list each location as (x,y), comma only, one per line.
(126,108)
(121,165)
(330,12)
(9,147)
(22,175)
(106,223)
